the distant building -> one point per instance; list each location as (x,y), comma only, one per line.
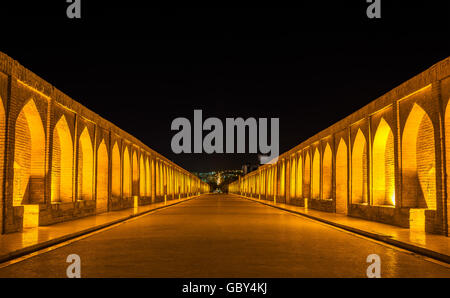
(247,168)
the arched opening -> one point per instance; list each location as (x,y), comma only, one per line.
(327,173)
(282,178)
(148,178)
(62,163)
(115,171)
(2,147)
(85,166)
(126,174)
(359,169)
(264,184)
(383,171)
(316,175)
(29,157)
(169,181)
(418,161)
(164,179)
(135,169)
(142,177)
(307,177)
(102,178)
(299,186)
(158,179)
(292,176)
(447,154)
(341,178)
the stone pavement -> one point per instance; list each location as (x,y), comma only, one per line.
(32,239)
(430,245)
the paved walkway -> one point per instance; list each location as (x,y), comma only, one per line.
(17,244)
(224,236)
(436,246)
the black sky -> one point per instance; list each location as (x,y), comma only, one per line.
(141,67)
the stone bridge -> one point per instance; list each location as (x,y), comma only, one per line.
(60,161)
(387,162)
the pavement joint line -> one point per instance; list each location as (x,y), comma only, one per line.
(382,238)
(43,247)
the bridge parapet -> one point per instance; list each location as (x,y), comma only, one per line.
(60,161)
(386,162)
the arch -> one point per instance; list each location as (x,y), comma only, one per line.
(62,163)
(299,185)
(148,176)
(418,161)
(102,178)
(293,177)
(164,179)
(169,180)
(447,154)
(341,178)
(327,173)
(2,146)
(115,171)
(316,175)
(359,169)
(157,178)
(126,178)
(383,171)
(85,166)
(307,177)
(29,157)
(142,177)
(282,178)
(135,175)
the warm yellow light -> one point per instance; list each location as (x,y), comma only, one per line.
(30,216)
(85,166)
(62,163)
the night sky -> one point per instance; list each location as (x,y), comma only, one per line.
(142,67)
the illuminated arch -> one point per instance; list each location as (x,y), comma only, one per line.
(135,170)
(316,175)
(327,173)
(341,178)
(102,178)
(418,161)
(62,163)
(148,176)
(282,178)
(293,178)
(383,171)
(359,169)
(85,166)
(164,175)
(115,171)
(126,174)
(142,177)
(447,148)
(264,184)
(299,185)
(29,157)
(2,146)
(169,180)
(157,178)
(307,177)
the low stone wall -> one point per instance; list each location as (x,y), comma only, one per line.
(60,212)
